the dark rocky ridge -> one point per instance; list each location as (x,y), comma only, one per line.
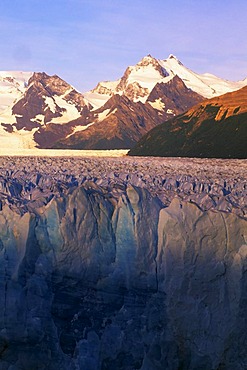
(104,276)
(215,128)
(123,126)
(175,96)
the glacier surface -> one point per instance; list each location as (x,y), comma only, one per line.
(122,264)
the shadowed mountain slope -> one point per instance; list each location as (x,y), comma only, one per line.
(215,128)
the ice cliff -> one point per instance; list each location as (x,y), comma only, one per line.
(93,281)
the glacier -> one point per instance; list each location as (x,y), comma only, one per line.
(102,274)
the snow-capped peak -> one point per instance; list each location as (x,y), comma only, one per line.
(172,56)
(146,60)
(136,83)
(174,59)
(139,80)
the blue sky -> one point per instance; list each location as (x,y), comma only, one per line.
(87,41)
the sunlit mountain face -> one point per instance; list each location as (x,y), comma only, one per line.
(216,128)
(37,110)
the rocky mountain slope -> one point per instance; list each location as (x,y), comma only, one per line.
(120,122)
(37,110)
(39,100)
(105,276)
(213,128)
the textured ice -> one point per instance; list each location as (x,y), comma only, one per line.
(209,183)
(122,264)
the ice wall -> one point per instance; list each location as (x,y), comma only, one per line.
(92,282)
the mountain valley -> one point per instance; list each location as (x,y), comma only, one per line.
(37,110)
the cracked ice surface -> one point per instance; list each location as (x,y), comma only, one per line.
(27,183)
(106,276)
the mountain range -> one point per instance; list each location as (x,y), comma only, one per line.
(38,110)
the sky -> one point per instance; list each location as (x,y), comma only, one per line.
(87,41)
